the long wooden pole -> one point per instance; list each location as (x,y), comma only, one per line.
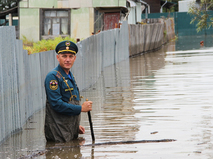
(91,126)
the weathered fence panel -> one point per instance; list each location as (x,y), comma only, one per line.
(149,37)
(22,76)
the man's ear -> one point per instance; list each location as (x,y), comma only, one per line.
(57,56)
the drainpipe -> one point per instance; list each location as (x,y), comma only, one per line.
(147,5)
(161,9)
(10,19)
(127,14)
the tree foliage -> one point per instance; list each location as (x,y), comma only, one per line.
(199,11)
(174,8)
(7,4)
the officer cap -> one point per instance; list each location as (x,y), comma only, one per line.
(66,47)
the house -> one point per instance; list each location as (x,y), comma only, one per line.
(185,5)
(9,17)
(156,6)
(8,12)
(6,17)
(137,7)
(44,19)
(79,19)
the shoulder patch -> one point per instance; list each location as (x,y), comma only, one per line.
(53,84)
(58,75)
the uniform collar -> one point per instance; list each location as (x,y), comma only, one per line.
(60,69)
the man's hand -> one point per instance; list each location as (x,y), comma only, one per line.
(81,129)
(86,106)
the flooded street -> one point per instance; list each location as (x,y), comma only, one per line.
(158,95)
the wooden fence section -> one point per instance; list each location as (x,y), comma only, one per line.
(149,37)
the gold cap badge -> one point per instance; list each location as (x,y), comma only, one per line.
(67,43)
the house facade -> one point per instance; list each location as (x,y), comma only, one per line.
(155,5)
(44,19)
(138,7)
(185,5)
(134,11)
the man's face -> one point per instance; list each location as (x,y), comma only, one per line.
(66,60)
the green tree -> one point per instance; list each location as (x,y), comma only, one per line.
(199,11)
(173,8)
(7,4)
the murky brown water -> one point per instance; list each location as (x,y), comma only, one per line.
(150,97)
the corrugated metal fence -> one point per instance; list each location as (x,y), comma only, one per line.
(149,37)
(22,76)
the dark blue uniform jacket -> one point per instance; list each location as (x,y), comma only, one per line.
(58,93)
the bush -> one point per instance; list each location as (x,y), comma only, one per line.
(43,45)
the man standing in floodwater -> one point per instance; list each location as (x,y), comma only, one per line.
(62,120)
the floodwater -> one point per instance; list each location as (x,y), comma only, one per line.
(154,96)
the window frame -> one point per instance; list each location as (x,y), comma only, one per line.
(98,21)
(42,18)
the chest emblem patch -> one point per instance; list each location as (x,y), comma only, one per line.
(53,84)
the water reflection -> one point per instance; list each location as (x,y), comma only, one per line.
(29,141)
(113,118)
(193,42)
(64,150)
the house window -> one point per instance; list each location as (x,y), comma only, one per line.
(98,24)
(55,23)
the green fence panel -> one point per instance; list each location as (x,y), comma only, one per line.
(182,23)
(15,22)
